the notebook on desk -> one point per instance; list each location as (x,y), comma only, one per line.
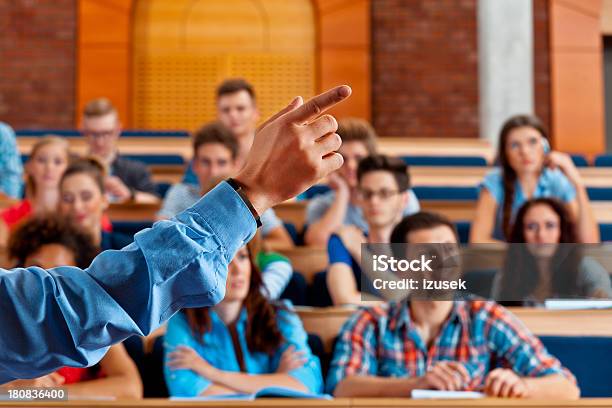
(436,394)
(268,392)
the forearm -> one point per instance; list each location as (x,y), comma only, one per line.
(216,389)
(588,229)
(371,386)
(251,383)
(116,386)
(145,198)
(554,386)
(318,232)
(174,265)
(278,239)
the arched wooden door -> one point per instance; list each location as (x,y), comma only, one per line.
(182,49)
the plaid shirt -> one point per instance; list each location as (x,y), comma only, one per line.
(383,341)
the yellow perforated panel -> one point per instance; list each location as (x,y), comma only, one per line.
(184,49)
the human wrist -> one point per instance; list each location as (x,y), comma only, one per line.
(259,199)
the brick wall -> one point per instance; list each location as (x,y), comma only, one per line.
(425,68)
(37,62)
(541,61)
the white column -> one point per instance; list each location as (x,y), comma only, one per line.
(505,62)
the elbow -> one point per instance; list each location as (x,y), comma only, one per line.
(316,238)
(342,390)
(571,392)
(133,389)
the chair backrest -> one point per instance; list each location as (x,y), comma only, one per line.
(588,358)
(446,193)
(472,161)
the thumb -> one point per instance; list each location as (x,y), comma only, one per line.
(296,102)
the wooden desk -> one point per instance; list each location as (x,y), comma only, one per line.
(335,403)
(326,322)
(307,260)
(293,212)
(482,403)
(133,212)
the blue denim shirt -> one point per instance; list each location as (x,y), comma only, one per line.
(11,170)
(69,317)
(216,347)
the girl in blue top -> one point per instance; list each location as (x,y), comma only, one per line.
(240,346)
(528,169)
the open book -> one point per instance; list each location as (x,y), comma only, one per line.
(268,392)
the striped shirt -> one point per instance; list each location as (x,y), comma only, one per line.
(383,341)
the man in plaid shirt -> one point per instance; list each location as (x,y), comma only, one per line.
(389,350)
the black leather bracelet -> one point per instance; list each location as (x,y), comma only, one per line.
(239,188)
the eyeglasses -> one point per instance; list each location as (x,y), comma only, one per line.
(104,134)
(383,194)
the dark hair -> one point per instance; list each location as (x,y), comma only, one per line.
(509,175)
(568,226)
(233,85)
(358,130)
(262,333)
(90,166)
(521,274)
(215,132)
(381,162)
(420,221)
(51,229)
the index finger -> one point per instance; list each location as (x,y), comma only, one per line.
(319,104)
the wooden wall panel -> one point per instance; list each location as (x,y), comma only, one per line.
(577,93)
(103,56)
(345,52)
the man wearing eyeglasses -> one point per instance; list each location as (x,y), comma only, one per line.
(128,180)
(382,188)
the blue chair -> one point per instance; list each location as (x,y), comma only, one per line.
(603,160)
(579,160)
(126,133)
(605,232)
(467,161)
(293,233)
(445,193)
(313,191)
(131,227)
(599,193)
(162,189)
(463,229)
(152,159)
(588,358)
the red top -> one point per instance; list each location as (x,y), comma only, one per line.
(74,375)
(17,213)
(22,210)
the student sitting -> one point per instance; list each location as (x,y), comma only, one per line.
(390,350)
(83,199)
(383,185)
(126,180)
(215,152)
(243,344)
(543,269)
(46,164)
(52,241)
(326,213)
(529,170)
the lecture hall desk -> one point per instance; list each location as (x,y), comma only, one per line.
(337,403)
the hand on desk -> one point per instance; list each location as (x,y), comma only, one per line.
(447,376)
(503,382)
(293,150)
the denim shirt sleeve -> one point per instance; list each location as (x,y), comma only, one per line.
(69,317)
(294,334)
(11,169)
(183,382)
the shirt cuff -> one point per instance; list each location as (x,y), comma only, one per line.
(223,210)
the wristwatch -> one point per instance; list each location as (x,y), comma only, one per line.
(239,188)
